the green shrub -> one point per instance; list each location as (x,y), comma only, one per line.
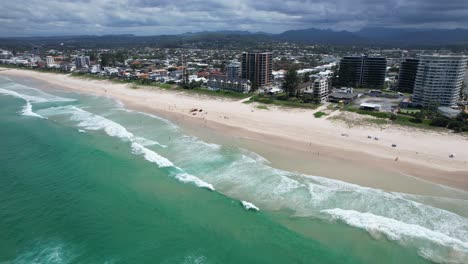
(319,114)
(439,122)
(416,120)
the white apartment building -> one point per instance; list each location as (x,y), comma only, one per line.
(318,87)
(321,88)
(233,69)
(439,79)
(50,61)
(82,62)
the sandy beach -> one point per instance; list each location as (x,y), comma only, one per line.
(419,153)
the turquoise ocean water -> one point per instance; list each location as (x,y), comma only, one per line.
(85,180)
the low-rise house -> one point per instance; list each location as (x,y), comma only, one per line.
(95,69)
(370,107)
(111,71)
(345,98)
(232,84)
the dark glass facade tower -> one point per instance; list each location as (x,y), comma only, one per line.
(407,75)
(363,71)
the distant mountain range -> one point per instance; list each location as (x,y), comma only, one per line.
(379,36)
(389,37)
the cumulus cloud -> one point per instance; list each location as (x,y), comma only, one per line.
(151,17)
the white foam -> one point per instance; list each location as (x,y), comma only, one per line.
(27,111)
(254,156)
(188,178)
(95,122)
(194,260)
(152,116)
(406,234)
(91,121)
(249,206)
(38,97)
(81,131)
(150,155)
(148,142)
(29,98)
(53,252)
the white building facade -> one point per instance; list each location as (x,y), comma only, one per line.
(233,69)
(321,88)
(439,80)
(50,61)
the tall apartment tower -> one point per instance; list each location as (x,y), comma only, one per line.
(233,69)
(257,67)
(363,71)
(35,51)
(407,75)
(350,71)
(82,61)
(439,80)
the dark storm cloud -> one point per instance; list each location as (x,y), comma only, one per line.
(146,17)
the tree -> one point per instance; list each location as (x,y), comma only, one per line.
(306,78)
(291,82)
(106,59)
(440,122)
(254,86)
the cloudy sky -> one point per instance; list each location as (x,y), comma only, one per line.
(153,17)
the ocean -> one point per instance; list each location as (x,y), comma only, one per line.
(83,179)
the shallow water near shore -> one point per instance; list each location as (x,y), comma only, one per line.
(85,180)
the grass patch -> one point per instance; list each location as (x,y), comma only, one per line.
(134,86)
(410,111)
(264,107)
(377,121)
(163,85)
(218,93)
(319,114)
(88,76)
(270,100)
(370,113)
(398,119)
(333,107)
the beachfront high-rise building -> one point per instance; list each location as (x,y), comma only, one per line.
(257,67)
(35,51)
(233,69)
(373,72)
(407,75)
(82,61)
(363,71)
(50,61)
(439,80)
(350,71)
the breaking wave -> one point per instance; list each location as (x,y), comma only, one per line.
(187,178)
(151,156)
(52,252)
(40,97)
(90,121)
(433,245)
(27,111)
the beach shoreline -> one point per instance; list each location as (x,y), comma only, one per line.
(292,132)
